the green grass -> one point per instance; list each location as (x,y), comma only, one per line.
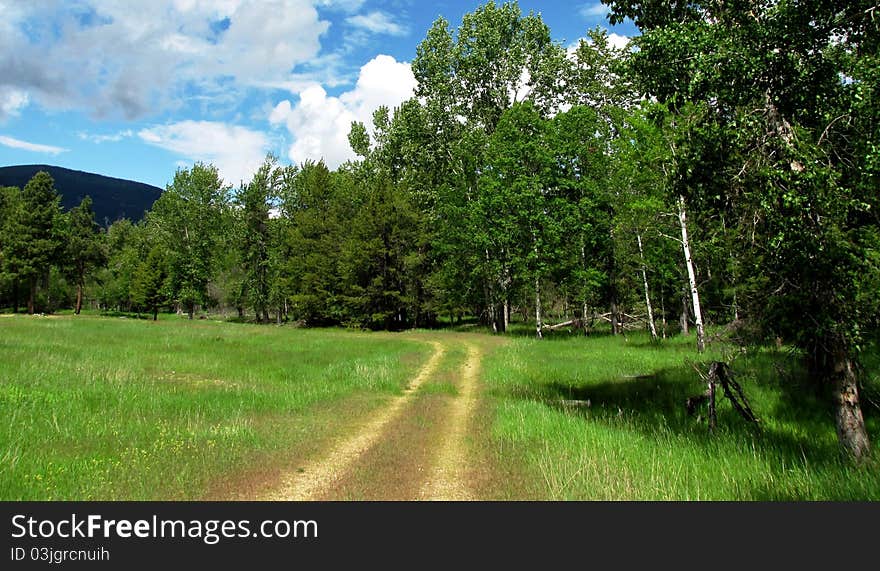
(108,408)
(635,441)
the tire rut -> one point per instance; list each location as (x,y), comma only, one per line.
(310,482)
(448,479)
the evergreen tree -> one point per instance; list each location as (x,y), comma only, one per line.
(84,250)
(36,242)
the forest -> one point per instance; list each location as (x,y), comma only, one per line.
(718,177)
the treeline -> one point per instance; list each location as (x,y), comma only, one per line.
(723,170)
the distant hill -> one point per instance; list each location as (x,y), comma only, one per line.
(112,198)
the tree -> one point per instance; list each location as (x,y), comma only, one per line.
(10,218)
(84,250)
(148,289)
(255,200)
(36,242)
(497,57)
(188,219)
(127,247)
(781,88)
(516,190)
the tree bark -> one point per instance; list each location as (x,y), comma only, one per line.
(15,295)
(615,319)
(191,310)
(155,313)
(32,294)
(538,321)
(651,326)
(663,312)
(684,319)
(851,432)
(735,307)
(490,301)
(692,280)
(79,298)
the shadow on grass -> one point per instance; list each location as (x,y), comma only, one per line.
(655,404)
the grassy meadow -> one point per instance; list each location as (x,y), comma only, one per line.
(109,408)
(604,418)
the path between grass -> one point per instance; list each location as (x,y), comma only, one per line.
(356,461)
(447,480)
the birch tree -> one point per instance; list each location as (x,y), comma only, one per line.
(784,95)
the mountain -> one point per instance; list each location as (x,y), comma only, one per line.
(112,198)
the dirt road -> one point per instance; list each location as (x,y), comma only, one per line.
(416,446)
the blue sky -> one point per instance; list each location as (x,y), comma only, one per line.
(137,89)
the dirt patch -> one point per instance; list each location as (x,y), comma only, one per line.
(448,477)
(306,436)
(310,481)
(394,468)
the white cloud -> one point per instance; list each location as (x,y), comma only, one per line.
(377,23)
(33,147)
(112,138)
(111,58)
(12,101)
(319,123)
(594,10)
(618,41)
(280,113)
(341,5)
(236,151)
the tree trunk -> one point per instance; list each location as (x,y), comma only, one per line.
(615,319)
(651,326)
(538,322)
(851,432)
(735,307)
(684,319)
(79,298)
(506,311)
(191,310)
(713,415)
(32,295)
(155,313)
(692,280)
(15,295)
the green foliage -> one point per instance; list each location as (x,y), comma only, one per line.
(85,248)
(149,287)
(187,220)
(254,202)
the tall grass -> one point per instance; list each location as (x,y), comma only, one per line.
(102,408)
(604,418)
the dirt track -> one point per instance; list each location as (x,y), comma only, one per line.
(414,447)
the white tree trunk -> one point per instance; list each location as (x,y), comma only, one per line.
(692,280)
(538,322)
(506,308)
(647,292)
(490,301)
